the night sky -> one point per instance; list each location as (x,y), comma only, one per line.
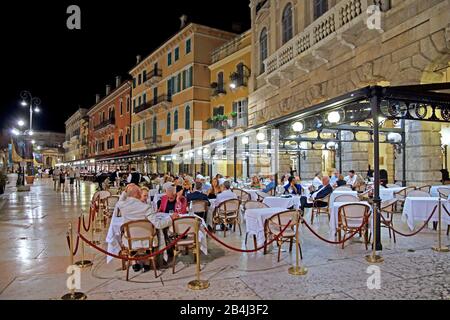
(66,68)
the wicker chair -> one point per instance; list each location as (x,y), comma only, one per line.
(350,219)
(444,193)
(388,208)
(344,188)
(418,194)
(227,213)
(180,226)
(317,210)
(346,198)
(134,234)
(401,196)
(424,188)
(275,224)
(242,195)
(200,208)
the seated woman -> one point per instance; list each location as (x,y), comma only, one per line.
(292,187)
(187,188)
(340,181)
(173,201)
(214,190)
(256,183)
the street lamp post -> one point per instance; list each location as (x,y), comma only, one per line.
(34,104)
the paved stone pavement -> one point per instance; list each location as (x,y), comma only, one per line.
(34,258)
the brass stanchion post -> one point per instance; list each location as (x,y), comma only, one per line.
(374,258)
(298,270)
(440,247)
(72,295)
(198,284)
(83,263)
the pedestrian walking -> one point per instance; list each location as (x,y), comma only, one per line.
(71,175)
(77,177)
(56,174)
(62,181)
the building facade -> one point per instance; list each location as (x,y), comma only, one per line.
(110,124)
(72,144)
(230,74)
(307,52)
(171,91)
(50,146)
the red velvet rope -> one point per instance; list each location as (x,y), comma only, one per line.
(137,258)
(247,251)
(416,232)
(329,241)
(69,244)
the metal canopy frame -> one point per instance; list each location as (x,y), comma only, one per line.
(429,102)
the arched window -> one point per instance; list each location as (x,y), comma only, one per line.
(175,120)
(263,49)
(168,123)
(187,117)
(287,24)
(320,7)
(155,129)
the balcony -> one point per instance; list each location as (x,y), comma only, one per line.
(217,89)
(336,32)
(111,122)
(153,142)
(153,77)
(164,101)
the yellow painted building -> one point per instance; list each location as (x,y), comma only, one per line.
(230,74)
(171,90)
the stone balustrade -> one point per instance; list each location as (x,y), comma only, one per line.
(341,15)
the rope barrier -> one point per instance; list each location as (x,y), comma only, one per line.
(247,251)
(446,210)
(92,214)
(137,258)
(329,241)
(414,233)
(78,239)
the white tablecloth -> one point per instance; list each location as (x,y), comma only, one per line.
(253,193)
(334,210)
(113,238)
(387,194)
(254,221)
(419,209)
(434,190)
(277,202)
(337,193)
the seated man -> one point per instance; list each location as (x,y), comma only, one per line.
(270,186)
(226,193)
(197,194)
(351,178)
(292,187)
(133,209)
(324,190)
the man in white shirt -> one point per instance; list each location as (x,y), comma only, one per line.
(226,194)
(351,178)
(317,182)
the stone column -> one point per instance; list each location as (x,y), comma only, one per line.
(423,154)
(312,164)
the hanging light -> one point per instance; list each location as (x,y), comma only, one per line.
(245,140)
(205,151)
(394,137)
(199,152)
(332,145)
(298,126)
(260,136)
(334,117)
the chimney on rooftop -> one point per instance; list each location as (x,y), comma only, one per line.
(97,98)
(118,81)
(108,89)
